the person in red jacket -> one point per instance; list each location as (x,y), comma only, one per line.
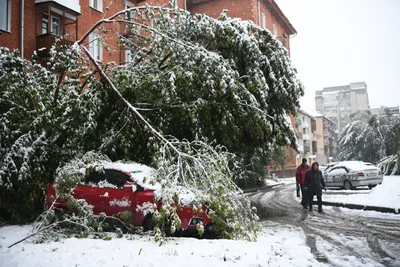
(300,178)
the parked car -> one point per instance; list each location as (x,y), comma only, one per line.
(352,174)
(327,166)
(122,187)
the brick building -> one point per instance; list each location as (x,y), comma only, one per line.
(35,24)
(265,13)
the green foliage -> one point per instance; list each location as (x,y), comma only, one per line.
(39,128)
(196,78)
(226,80)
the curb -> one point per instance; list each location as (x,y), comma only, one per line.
(359,207)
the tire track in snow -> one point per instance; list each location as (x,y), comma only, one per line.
(282,207)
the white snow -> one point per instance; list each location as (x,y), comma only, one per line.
(357,165)
(386,194)
(276,246)
(120,203)
(140,173)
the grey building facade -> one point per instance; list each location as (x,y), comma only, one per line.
(338,102)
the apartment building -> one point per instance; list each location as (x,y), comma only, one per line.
(338,102)
(316,136)
(34,25)
(326,137)
(306,127)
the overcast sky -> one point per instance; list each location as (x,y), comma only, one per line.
(343,41)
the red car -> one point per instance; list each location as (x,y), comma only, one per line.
(122,187)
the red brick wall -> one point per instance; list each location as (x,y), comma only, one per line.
(243,9)
(12,39)
(271,20)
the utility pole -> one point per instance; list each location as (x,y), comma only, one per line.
(338,113)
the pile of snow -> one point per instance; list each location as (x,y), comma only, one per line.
(276,246)
(386,195)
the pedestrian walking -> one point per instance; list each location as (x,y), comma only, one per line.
(313,184)
(300,178)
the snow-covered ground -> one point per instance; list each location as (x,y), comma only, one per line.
(386,194)
(276,246)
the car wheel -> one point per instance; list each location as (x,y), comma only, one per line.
(149,223)
(371,186)
(210,232)
(347,185)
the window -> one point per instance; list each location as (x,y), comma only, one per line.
(304,130)
(55,24)
(5,15)
(95,48)
(263,21)
(113,177)
(45,23)
(275,29)
(129,13)
(96,4)
(128,55)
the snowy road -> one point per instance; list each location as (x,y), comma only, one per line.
(339,237)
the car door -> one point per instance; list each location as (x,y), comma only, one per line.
(120,198)
(336,176)
(93,192)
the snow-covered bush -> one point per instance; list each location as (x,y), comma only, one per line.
(372,138)
(390,165)
(44,121)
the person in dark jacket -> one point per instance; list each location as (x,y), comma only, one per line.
(313,184)
(300,178)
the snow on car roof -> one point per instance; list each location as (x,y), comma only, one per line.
(356,165)
(141,174)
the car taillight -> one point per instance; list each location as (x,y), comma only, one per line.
(360,174)
(379,173)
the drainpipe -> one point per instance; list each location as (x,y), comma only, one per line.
(259,13)
(185,4)
(22,27)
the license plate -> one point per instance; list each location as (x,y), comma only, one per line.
(371,174)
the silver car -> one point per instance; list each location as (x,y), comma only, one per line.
(351,174)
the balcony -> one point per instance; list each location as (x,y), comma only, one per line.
(55,19)
(45,41)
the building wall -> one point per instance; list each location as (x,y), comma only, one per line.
(271,22)
(320,135)
(12,39)
(245,9)
(341,101)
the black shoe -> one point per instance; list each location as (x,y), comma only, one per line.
(305,207)
(321,211)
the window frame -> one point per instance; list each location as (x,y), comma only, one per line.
(275,30)
(96,4)
(263,20)
(45,21)
(95,47)
(7,14)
